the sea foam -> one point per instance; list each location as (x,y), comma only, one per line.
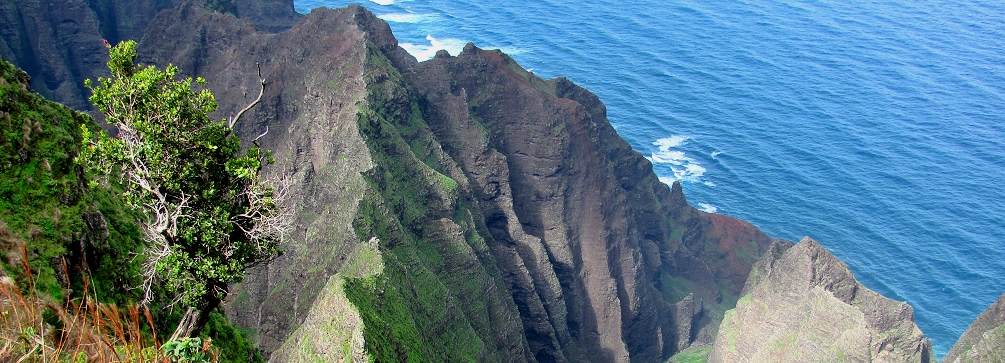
(708,208)
(425,52)
(411,18)
(684,167)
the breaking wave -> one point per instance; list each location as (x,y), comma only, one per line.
(708,208)
(684,167)
(425,52)
(411,18)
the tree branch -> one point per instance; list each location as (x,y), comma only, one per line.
(233,121)
(255,140)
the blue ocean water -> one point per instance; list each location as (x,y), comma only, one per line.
(876,128)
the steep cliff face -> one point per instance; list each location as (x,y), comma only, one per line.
(602,248)
(801,304)
(60,43)
(984,340)
(512,223)
(463,209)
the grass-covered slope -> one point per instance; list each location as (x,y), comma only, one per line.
(69,230)
(439,298)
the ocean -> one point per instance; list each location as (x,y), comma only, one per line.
(876,128)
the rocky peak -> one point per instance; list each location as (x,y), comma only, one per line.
(801,304)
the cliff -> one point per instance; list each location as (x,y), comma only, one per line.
(463,209)
(984,340)
(801,304)
(510,221)
(59,44)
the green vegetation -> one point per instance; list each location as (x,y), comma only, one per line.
(411,311)
(222,6)
(80,243)
(43,202)
(232,344)
(748,253)
(674,289)
(203,209)
(691,356)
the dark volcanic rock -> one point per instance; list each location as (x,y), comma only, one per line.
(801,304)
(60,43)
(984,340)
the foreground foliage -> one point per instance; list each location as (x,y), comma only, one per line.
(33,328)
(80,243)
(203,208)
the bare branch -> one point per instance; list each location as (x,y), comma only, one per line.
(255,140)
(233,121)
(270,211)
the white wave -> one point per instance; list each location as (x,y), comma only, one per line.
(667,180)
(411,18)
(512,51)
(707,208)
(716,153)
(383,2)
(425,52)
(684,167)
(709,184)
(672,141)
(669,157)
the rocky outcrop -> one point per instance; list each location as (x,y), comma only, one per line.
(984,340)
(507,199)
(61,43)
(801,304)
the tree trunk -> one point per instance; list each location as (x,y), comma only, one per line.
(193,321)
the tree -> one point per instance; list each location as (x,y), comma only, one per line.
(207,216)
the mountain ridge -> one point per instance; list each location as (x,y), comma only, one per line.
(459,208)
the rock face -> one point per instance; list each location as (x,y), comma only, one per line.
(984,340)
(596,230)
(513,223)
(60,43)
(463,209)
(801,304)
